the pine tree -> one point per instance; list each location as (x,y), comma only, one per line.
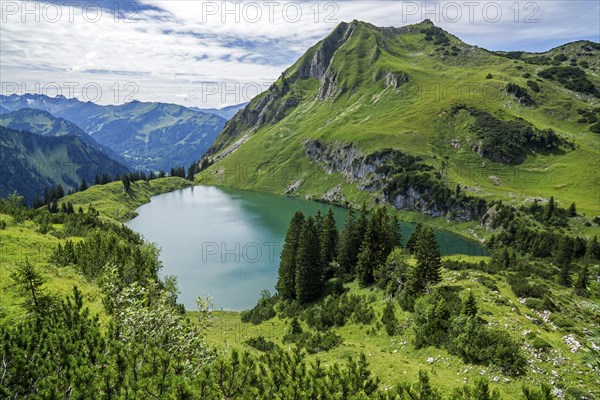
(470,308)
(319,222)
(564,258)
(412,240)
(429,262)
(572,210)
(126,182)
(550,209)
(368,257)
(309,277)
(582,279)
(286,283)
(349,245)
(28,283)
(593,249)
(389,320)
(329,242)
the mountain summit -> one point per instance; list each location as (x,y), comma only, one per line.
(476,119)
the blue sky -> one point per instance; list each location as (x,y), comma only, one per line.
(213,53)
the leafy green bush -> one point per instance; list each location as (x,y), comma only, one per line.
(535,304)
(313,342)
(522,288)
(389,320)
(540,344)
(560,321)
(534,86)
(508,141)
(260,343)
(571,78)
(263,310)
(520,93)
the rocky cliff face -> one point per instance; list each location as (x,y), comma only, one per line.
(272,106)
(416,188)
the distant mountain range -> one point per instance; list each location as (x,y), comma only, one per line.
(148,136)
(225,112)
(31,162)
(45,124)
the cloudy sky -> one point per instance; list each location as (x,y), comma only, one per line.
(215,53)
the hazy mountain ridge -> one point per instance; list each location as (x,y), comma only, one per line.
(149,136)
(30,163)
(43,123)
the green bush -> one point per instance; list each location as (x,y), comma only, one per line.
(535,304)
(540,344)
(522,288)
(260,343)
(560,321)
(571,78)
(263,310)
(313,342)
(520,93)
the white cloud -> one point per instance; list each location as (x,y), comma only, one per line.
(183,47)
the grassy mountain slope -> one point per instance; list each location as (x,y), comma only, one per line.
(31,162)
(395,357)
(395,88)
(113,202)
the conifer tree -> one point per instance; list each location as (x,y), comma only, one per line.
(470,308)
(368,257)
(309,277)
(429,262)
(389,320)
(83,185)
(126,182)
(329,242)
(412,240)
(582,279)
(349,245)
(28,283)
(286,284)
(593,249)
(319,222)
(551,208)
(572,210)
(564,258)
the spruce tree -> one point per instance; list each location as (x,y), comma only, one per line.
(582,279)
(286,283)
(564,258)
(349,245)
(411,245)
(329,242)
(28,281)
(309,277)
(126,183)
(368,257)
(551,208)
(572,210)
(470,308)
(83,185)
(389,320)
(429,262)
(593,249)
